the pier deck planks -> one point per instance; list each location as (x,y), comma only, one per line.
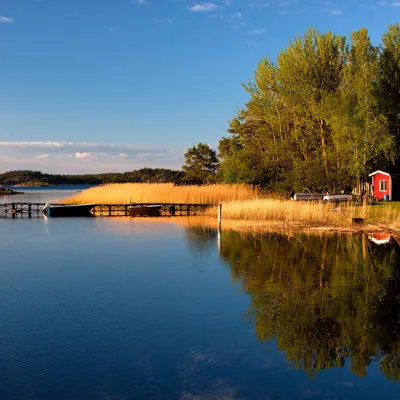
(105,210)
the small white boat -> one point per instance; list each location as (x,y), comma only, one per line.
(307,196)
(338,197)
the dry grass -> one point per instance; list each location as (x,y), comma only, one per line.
(293,213)
(287,212)
(246,208)
(163,193)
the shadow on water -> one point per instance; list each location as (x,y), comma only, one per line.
(328,301)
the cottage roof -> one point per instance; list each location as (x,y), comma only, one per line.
(380,172)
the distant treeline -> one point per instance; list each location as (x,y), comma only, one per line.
(144,175)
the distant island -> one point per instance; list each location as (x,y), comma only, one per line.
(33,184)
(23,178)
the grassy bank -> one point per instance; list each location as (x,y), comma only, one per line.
(264,214)
(246,208)
(289,212)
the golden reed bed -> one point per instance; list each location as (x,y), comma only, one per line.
(247,205)
(164,193)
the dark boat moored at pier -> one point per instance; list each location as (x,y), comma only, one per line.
(145,210)
(68,210)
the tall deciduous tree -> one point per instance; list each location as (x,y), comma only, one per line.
(358,124)
(201,163)
(314,118)
(389,79)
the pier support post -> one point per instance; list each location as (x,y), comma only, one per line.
(219,215)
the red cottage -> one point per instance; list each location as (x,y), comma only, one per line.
(385,184)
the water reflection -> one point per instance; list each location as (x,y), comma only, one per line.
(328,301)
(200,239)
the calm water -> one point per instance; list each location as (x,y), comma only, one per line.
(42,195)
(117,309)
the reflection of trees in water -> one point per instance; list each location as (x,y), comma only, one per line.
(326,299)
(201,239)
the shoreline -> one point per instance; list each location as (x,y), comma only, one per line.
(243,226)
(9,192)
(33,184)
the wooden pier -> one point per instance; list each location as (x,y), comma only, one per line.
(30,210)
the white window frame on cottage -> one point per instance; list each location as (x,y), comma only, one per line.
(380,186)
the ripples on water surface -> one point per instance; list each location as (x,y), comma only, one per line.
(117,309)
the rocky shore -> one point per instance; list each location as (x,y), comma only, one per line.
(8,192)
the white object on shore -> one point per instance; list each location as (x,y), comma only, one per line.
(308,196)
(338,197)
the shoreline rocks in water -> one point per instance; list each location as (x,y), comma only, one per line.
(33,184)
(8,192)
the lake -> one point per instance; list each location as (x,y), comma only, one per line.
(41,194)
(104,308)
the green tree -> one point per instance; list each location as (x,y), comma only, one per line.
(360,129)
(315,118)
(389,79)
(201,163)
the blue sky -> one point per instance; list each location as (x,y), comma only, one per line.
(103,85)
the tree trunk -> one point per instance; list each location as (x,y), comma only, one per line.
(323,145)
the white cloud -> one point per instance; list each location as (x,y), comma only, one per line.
(35,144)
(254,32)
(333,11)
(5,20)
(140,2)
(80,149)
(383,3)
(81,155)
(237,16)
(204,7)
(160,20)
(287,3)
(396,4)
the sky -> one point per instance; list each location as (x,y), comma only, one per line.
(116,85)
